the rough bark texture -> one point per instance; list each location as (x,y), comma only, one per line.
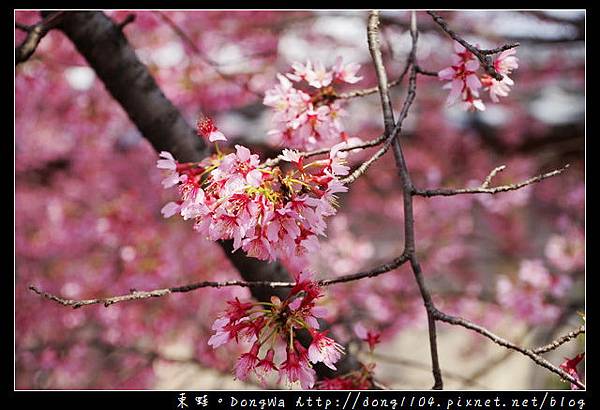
(102,43)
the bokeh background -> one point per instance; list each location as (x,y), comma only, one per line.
(88,199)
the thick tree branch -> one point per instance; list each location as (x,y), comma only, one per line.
(104,46)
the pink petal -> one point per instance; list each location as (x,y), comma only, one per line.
(216,136)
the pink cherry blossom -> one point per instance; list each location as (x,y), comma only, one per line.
(246,362)
(265,366)
(570,366)
(324,349)
(206,128)
(296,368)
(464,83)
(369,336)
(309,119)
(504,64)
(170,209)
(346,73)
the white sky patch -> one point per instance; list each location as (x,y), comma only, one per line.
(80,78)
(518,24)
(293,47)
(227,54)
(168,55)
(555,106)
(494,115)
(345,29)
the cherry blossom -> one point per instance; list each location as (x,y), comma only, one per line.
(464,82)
(311,117)
(504,64)
(369,336)
(275,324)
(206,128)
(267,213)
(247,362)
(297,368)
(324,349)
(570,366)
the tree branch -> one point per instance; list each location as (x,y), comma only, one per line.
(454,320)
(35,34)
(393,132)
(483,189)
(560,341)
(266,285)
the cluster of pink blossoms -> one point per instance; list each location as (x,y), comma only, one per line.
(267,213)
(464,82)
(309,118)
(272,327)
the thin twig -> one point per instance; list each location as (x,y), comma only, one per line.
(426,72)
(35,34)
(371,90)
(454,320)
(483,189)
(139,295)
(560,341)
(23,27)
(482,55)
(491,175)
(365,165)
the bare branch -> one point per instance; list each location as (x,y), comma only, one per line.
(371,90)
(34,36)
(392,133)
(454,320)
(482,55)
(426,72)
(483,189)
(498,49)
(139,295)
(23,27)
(365,165)
(491,175)
(560,341)
(491,364)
